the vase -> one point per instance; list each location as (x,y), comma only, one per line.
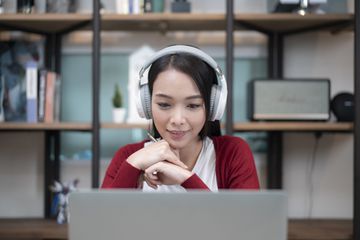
(118,115)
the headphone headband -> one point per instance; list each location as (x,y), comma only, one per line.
(179,49)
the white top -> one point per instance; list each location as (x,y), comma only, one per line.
(204,168)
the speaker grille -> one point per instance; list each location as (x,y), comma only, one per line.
(291,99)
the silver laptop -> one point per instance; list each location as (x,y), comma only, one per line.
(249,215)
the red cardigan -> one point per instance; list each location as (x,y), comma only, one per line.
(235,167)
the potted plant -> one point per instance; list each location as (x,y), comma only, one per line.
(118,110)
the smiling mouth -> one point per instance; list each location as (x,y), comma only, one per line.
(177,134)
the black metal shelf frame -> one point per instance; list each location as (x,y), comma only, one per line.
(356,223)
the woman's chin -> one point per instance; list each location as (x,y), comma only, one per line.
(176,143)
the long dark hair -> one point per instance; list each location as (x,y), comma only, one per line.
(204,77)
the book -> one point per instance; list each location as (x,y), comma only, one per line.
(49,97)
(31,76)
(41,95)
(57,98)
(2,92)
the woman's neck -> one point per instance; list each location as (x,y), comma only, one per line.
(190,154)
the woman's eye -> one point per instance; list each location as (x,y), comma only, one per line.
(194,106)
(163,105)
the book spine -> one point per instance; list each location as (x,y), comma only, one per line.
(31,92)
(49,99)
(2,95)
(57,98)
(136,6)
(41,95)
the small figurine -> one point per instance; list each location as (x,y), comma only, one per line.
(62,192)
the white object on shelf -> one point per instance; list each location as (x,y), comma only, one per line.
(298,1)
(119,115)
(122,6)
(136,61)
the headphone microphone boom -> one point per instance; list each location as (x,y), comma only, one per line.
(218,91)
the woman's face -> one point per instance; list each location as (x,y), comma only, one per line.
(178,109)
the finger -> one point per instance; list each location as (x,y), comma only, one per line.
(141,181)
(152,176)
(171,155)
(154,169)
(172,158)
(150,184)
(153,184)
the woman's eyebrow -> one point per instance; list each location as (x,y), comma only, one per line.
(169,97)
(194,97)
(163,95)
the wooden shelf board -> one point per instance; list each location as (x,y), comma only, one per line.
(49,23)
(70,126)
(320,229)
(32,229)
(211,22)
(262,126)
(124,126)
(52,23)
(285,22)
(163,22)
(298,229)
(293,126)
(238,127)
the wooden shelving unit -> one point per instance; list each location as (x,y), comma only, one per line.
(124,126)
(216,22)
(286,23)
(276,26)
(45,23)
(262,126)
(326,229)
(45,126)
(55,23)
(163,22)
(293,127)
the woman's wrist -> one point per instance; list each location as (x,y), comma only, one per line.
(134,163)
(186,175)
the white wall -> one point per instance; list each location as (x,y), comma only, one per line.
(21,174)
(320,55)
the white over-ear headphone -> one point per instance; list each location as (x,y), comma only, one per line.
(218,91)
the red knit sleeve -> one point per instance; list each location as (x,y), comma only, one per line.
(242,172)
(121,174)
(235,166)
(194,182)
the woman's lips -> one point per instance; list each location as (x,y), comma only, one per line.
(177,135)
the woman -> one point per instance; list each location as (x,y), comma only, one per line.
(187,96)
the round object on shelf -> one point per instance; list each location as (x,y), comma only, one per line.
(342,105)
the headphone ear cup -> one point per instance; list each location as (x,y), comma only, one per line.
(213,102)
(146,101)
(143,102)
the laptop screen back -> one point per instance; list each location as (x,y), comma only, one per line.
(249,215)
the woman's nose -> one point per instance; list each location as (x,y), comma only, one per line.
(177,117)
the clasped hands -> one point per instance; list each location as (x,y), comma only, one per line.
(161,165)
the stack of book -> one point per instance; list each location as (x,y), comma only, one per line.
(42,95)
